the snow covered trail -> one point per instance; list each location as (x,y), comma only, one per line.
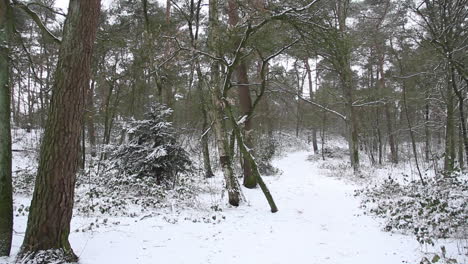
(318,222)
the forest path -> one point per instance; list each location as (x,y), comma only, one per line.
(319,222)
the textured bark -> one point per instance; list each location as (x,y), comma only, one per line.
(6,192)
(218,109)
(225,158)
(52,204)
(244,100)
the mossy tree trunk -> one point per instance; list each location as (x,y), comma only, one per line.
(218,108)
(52,204)
(245,101)
(6,193)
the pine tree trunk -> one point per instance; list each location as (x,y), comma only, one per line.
(52,204)
(6,192)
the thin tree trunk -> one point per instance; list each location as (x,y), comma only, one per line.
(461,110)
(246,153)
(460,149)
(6,190)
(52,203)
(90,118)
(311,96)
(343,62)
(413,141)
(205,126)
(449,132)
(427,131)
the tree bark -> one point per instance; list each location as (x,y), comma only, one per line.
(244,100)
(6,190)
(311,96)
(218,111)
(52,204)
(344,66)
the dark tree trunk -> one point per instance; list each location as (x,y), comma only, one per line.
(461,106)
(311,96)
(205,126)
(52,204)
(6,192)
(426,130)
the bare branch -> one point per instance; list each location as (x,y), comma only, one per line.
(35,17)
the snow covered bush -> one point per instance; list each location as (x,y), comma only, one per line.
(150,170)
(436,210)
(152,149)
(265,151)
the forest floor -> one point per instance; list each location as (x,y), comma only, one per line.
(319,221)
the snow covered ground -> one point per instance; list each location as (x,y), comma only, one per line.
(319,222)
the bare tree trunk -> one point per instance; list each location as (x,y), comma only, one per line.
(205,126)
(6,189)
(388,116)
(449,158)
(311,96)
(244,99)
(343,62)
(460,149)
(246,153)
(427,131)
(218,110)
(52,204)
(461,106)
(90,118)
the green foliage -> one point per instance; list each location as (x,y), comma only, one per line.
(436,210)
